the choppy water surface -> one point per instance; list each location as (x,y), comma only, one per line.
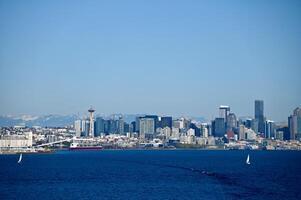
(137,174)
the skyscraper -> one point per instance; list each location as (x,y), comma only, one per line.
(224,112)
(219,127)
(113,126)
(85,128)
(166,122)
(147,128)
(294,122)
(120,126)
(78,128)
(259,115)
(269,129)
(156,119)
(99,126)
(231,122)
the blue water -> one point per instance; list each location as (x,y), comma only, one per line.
(137,174)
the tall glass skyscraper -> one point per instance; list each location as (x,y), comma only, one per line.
(99,126)
(259,110)
(294,122)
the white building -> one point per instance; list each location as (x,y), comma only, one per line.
(16,141)
(175,132)
(78,128)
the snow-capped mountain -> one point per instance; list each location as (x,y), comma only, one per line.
(44,121)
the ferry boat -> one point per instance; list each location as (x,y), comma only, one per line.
(78,146)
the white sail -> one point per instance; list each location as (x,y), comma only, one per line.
(20,158)
(248,160)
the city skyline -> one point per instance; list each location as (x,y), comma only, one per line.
(167,57)
(160,99)
(84,114)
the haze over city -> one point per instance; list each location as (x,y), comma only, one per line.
(164,57)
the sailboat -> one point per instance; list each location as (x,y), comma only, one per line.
(20,159)
(248,160)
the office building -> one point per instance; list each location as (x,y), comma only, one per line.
(219,127)
(78,128)
(294,122)
(166,122)
(224,112)
(259,115)
(120,126)
(269,129)
(231,121)
(147,128)
(99,126)
(254,125)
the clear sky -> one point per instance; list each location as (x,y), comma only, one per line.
(161,56)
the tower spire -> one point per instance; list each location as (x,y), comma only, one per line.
(91,129)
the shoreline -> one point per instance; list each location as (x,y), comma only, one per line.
(141,149)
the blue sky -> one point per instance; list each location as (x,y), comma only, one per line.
(164,57)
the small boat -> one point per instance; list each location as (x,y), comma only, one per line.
(248,160)
(20,159)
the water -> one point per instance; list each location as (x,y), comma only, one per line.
(134,174)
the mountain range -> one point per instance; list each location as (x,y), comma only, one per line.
(59,120)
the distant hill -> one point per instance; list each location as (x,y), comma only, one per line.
(62,120)
(44,121)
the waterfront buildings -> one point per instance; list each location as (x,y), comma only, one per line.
(16,141)
(114,132)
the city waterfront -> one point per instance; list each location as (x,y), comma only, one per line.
(151,174)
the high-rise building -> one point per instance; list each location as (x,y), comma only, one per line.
(204,131)
(219,127)
(133,127)
(224,112)
(270,129)
(231,122)
(178,123)
(99,126)
(156,119)
(120,126)
(294,122)
(242,131)
(147,128)
(78,128)
(85,128)
(113,126)
(259,115)
(254,125)
(166,122)
(126,128)
(137,124)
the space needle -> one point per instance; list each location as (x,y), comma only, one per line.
(91,129)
